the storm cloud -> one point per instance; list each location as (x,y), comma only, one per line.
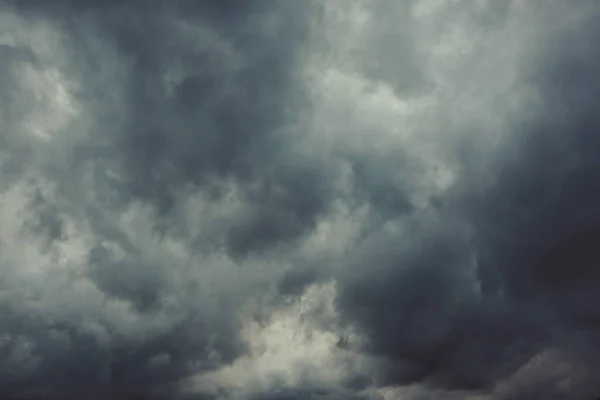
(342,199)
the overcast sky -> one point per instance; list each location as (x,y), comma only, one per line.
(290,200)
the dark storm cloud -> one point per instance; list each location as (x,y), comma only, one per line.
(541,216)
(465,311)
(207,93)
(314,394)
(165,166)
(421,308)
(180,98)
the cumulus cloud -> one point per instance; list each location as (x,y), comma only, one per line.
(342,199)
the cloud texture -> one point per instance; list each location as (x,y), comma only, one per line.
(260,200)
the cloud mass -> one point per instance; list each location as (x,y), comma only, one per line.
(263,200)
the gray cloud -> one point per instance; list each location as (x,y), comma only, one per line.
(281,200)
(464,311)
(166,102)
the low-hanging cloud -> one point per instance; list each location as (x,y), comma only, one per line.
(299,200)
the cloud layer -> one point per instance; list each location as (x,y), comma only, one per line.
(257,200)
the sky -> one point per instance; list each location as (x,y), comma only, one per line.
(290,200)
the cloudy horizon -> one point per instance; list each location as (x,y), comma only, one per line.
(285,200)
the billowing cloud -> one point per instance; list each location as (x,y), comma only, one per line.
(342,199)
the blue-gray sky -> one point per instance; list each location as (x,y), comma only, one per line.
(317,199)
